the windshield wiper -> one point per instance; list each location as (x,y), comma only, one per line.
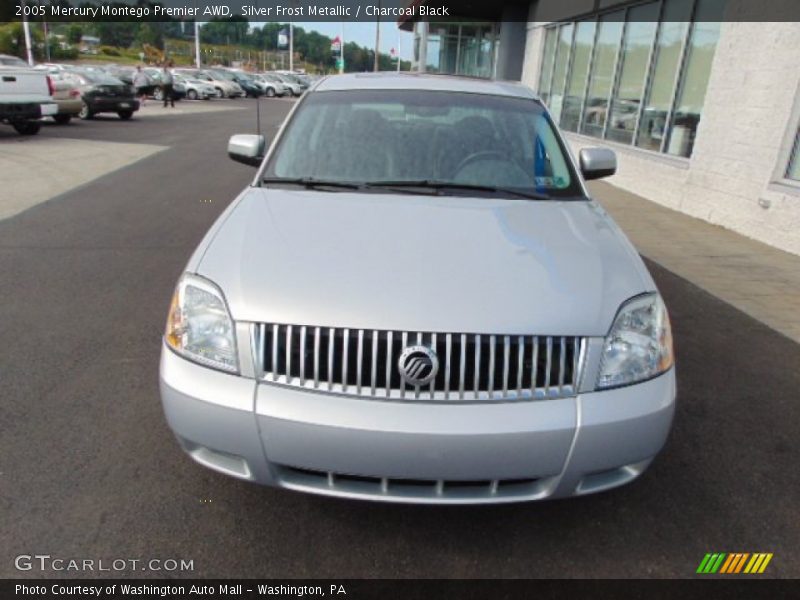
(450,185)
(312,183)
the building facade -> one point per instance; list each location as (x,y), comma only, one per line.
(699,99)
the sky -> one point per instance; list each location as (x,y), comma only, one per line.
(363,34)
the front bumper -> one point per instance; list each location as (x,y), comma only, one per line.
(415,451)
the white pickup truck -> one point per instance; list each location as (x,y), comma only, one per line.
(25,95)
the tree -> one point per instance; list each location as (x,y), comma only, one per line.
(233,30)
(120,34)
(74,34)
(148,34)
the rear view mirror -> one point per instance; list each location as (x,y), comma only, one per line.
(247,149)
(597,163)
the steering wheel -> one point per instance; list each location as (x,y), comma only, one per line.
(481,156)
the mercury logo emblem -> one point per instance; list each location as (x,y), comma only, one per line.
(418,365)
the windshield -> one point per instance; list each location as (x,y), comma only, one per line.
(427,139)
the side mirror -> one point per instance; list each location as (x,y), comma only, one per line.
(597,163)
(247,149)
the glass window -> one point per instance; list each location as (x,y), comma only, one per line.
(672,32)
(547,64)
(433,52)
(602,76)
(563,50)
(576,88)
(410,136)
(635,56)
(700,53)
(794,162)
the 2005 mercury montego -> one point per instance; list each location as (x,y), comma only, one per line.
(416,300)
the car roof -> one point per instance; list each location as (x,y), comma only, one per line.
(422,81)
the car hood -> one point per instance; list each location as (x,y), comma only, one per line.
(422,263)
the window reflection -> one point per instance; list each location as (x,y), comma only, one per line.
(632,78)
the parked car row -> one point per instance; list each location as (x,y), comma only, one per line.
(85,91)
(67,91)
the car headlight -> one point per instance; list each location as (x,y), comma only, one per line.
(639,345)
(199,325)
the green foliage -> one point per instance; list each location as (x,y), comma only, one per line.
(12,40)
(74,34)
(59,53)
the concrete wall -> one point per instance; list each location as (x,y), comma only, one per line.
(750,116)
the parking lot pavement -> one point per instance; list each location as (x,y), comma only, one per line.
(761,281)
(154,108)
(39,168)
(89,468)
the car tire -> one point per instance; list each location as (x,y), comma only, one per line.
(62,119)
(85,112)
(27,127)
(158,95)
(221,93)
(125,115)
(270,93)
(191,95)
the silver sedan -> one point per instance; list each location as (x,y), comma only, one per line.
(417,300)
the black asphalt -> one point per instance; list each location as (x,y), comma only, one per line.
(89,468)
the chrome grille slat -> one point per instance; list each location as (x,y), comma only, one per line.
(474,367)
(548,364)
(331,338)
(275,330)
(359,360)
(520,362)
(492,343)
(403,383)
(374,369)
(463,366)
(477,347)
(388,376)
(316,357)
(288,353)
(345,348)
(506,359)
(433,382)
(303,355)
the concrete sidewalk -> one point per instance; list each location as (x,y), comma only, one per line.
(755,278)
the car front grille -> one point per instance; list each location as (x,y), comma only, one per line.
(472,367)
(411,489)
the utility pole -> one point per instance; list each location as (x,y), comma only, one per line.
(376,66)
(197,44)
(341,50)
(398,49)
(27,30)
(291,46)
(46,40)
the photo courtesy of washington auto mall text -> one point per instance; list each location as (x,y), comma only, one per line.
(177,590)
